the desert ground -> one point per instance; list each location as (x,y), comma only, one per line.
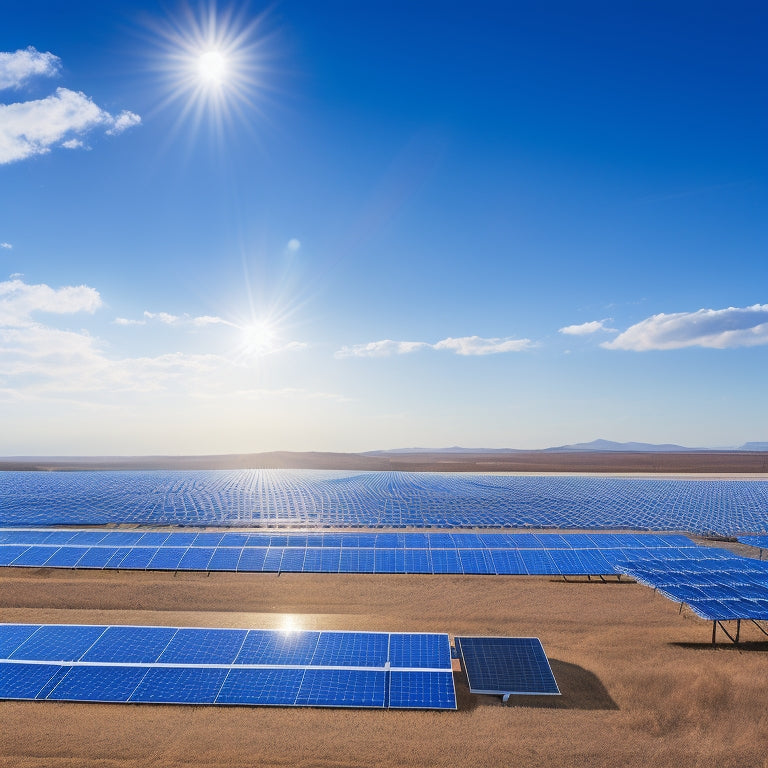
(641,684)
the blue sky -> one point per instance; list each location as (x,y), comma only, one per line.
(369,225)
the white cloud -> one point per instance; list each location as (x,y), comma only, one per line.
(6,245)
(31,128)
(128,321)
(18,301)
(123,122)
(585,329)
(712,328)
(73,144)
(475,345)
(163,317)
(18,67)
(465,345)
(293,245)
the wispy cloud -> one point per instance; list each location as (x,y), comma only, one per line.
(20,66)
(31,128)
(712,328)
(293,245)
(7,246)
(464,345)
(166,318)
(584,329)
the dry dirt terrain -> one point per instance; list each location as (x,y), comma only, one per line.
(641,684)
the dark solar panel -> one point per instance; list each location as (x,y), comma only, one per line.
(506,665)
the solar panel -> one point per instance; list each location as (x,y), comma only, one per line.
(225,666)
(506,665)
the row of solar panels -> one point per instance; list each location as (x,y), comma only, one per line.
(225,666)
(376,499)
(328,559)
(304,539)
(716,588)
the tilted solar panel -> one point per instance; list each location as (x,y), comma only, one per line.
(506,665)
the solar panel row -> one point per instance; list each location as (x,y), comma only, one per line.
(502,554)
(225,666)
(382,499)
(755,541)
(717,585)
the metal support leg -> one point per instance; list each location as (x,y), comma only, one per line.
(714,630)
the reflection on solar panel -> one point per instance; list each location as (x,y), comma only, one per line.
(225,666)
(506,665)
(380,499)
(491,553)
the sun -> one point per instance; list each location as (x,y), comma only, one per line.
(212,67)
(258,338)
(212,62)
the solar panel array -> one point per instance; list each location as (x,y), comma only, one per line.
(386,499)
(717,585)
(127,664)
(339,552)
(506,665)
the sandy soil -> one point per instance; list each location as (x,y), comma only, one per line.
(641,684)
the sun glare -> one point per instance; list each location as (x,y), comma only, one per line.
(213,62)
(258,339)
(212,67)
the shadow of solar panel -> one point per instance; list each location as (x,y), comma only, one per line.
(133,645)
(342,688)
(506,665)
(13,635)
(25,681)
(421,690)
(204,646)
(180,685)
(107,684)
(262,646)
(351,649)
(58,642)
(267,687)
(419,650)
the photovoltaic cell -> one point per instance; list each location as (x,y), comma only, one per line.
(506,665)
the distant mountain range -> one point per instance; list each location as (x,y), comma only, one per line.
(596,446)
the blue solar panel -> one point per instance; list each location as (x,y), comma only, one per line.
(13,635)
(34,556)
(263,646)
(180,685)
(115,684)
(204,646)
(351,649)
(422,690)
(167,558)
(224,559)
(169,665)
(342,688)
(25,681)
(134,645)
(265,687)
(66,557)
(424,651)
(58,643)
(9,553)
(96,557)
(138,558)
(505,665)
(196,559)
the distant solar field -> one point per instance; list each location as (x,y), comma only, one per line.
(317,498)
